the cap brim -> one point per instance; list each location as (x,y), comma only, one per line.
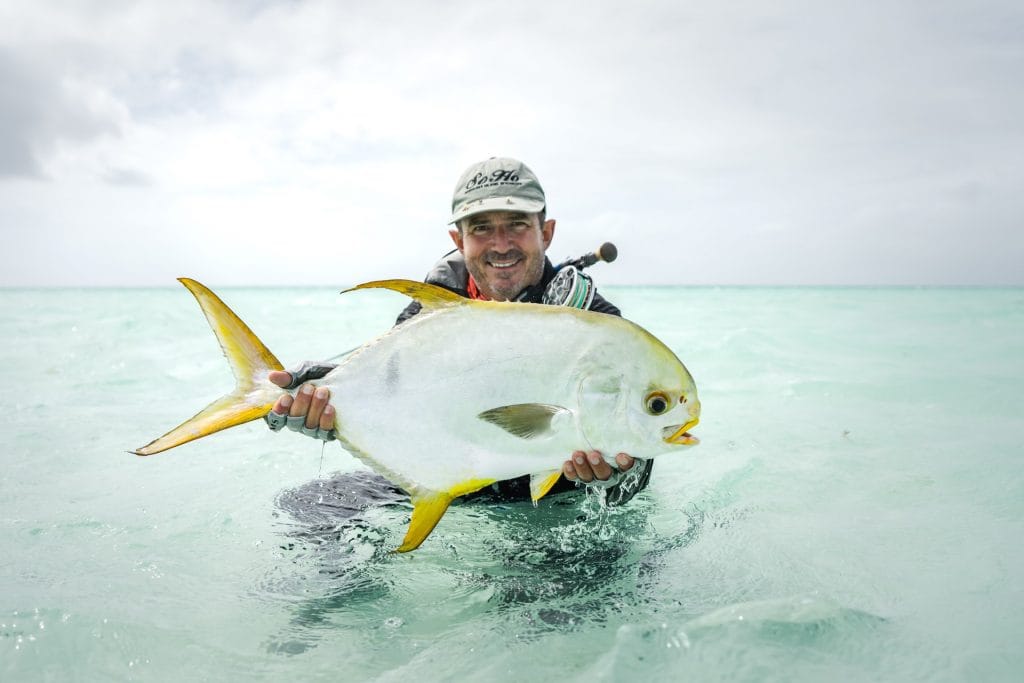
(496,204)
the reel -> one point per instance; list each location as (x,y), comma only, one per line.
(570,287)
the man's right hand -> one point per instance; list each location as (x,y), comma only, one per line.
(310,402)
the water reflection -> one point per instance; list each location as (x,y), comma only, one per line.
(336,534)
(561,565)
(570,561)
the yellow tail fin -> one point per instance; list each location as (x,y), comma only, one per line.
(251,362)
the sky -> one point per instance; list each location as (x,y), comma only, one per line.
(290,142)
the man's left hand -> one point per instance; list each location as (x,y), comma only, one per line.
(588,467)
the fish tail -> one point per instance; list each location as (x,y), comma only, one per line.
(251,362)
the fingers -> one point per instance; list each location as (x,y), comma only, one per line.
(327,417)
(283,405)
(586,467)
(303,397)
(307,412)
(569,469)
(624,462)
(316,408)
(599,468)
(311,401)
(280,378)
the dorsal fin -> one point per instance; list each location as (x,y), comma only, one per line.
(429,296)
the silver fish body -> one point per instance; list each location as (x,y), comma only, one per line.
(468,393)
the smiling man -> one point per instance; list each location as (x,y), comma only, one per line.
(504,251)
(498,210)
(501,235)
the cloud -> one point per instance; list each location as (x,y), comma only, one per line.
(717,142)
(127,177)
(40,110)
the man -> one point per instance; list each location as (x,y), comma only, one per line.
(501,235)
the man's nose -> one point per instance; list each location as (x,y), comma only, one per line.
(502,236)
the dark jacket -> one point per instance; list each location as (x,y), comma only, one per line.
(450,272)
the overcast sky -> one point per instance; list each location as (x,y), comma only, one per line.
(318,142)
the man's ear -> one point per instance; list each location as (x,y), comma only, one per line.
(456,236)
(547,232)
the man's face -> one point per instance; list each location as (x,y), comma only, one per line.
(504,251)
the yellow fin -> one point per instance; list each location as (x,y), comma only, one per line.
(225,412)
(429,508)
(429,296)
(525,420)
(250,361)
(426,513)
(243,349)
(541,483)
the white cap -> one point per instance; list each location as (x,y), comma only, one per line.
(498,184)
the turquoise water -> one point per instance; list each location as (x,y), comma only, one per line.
(855,510)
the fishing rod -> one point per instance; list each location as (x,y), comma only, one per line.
(571,286)
(606,252)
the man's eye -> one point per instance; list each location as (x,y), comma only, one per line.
(480,229)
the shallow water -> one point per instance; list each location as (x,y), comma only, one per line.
(854,511)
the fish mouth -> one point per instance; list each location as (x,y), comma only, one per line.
(678,435)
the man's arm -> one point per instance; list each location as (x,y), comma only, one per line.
(602,305)
(408,312)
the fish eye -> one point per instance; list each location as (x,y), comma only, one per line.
(656,403)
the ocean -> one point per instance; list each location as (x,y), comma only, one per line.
(854,512)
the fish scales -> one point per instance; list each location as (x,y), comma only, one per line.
(452,364)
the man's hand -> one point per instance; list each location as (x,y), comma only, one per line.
(309,401)
(590,467)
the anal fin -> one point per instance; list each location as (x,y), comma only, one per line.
(429,507)
(541,483)
(427,511)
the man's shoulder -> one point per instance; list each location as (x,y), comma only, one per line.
(450,272)
(602,305)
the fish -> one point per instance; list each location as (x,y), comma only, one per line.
(468,393)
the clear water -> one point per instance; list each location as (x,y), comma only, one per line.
(855,510)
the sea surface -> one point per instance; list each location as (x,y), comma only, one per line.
(855,511)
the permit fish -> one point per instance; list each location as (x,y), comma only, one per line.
(467,393)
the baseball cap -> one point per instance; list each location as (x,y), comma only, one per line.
(497,184)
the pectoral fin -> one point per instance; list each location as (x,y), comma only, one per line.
(429,507)
(541,483)
(525,420)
